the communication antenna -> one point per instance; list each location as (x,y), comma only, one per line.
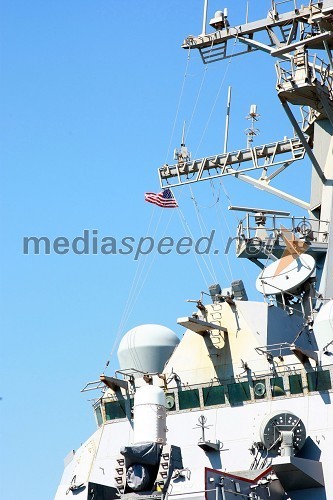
(286,275)
(252,131)
(227,120)
(204,19)
(182,154)
(183,134)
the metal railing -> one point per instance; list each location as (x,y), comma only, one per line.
(274,3)
(308,117)
(278,7)
(321,71)
(295,3)
(311,229)
(316,69)
(275,350)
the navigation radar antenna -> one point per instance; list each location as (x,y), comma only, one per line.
(252,131)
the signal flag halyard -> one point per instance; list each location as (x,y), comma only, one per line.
(164,199)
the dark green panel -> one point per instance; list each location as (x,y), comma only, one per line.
(295,383)
(188,399)
(116,409)
(99,417)
(277,388)
(213,395)
(239,392)
(319,381)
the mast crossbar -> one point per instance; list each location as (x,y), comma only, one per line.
(289,34)
(220,165)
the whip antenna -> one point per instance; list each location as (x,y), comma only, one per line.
(227,119)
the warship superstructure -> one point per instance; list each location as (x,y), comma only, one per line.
(241,406)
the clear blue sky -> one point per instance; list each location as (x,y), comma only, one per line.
(89,93)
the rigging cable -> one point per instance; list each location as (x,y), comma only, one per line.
(137,275)
(221,230)
(139,270)
(198,94)
(217,95)
(202,137)
(182,217)
(179,103)
(230,233)
(150,266)
(203,227)
(187,229)
(140,267)
(138,283)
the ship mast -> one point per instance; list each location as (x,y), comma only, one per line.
(304,80)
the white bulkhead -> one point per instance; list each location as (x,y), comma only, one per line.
(323,326)
(149,415)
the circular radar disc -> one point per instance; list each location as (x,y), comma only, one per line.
(281,276)
(275,423)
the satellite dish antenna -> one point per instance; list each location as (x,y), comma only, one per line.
(271,281)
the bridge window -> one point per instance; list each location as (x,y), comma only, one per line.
(115,409)
(295,384)
(98,413)
(213,395)
(277,388)
(319,381)
(188,399)
(239,392)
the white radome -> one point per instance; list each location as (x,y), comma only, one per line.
(146,348)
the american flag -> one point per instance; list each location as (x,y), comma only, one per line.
(163,199)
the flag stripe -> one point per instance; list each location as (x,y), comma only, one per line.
(164,199)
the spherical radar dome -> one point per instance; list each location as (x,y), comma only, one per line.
(146,348)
